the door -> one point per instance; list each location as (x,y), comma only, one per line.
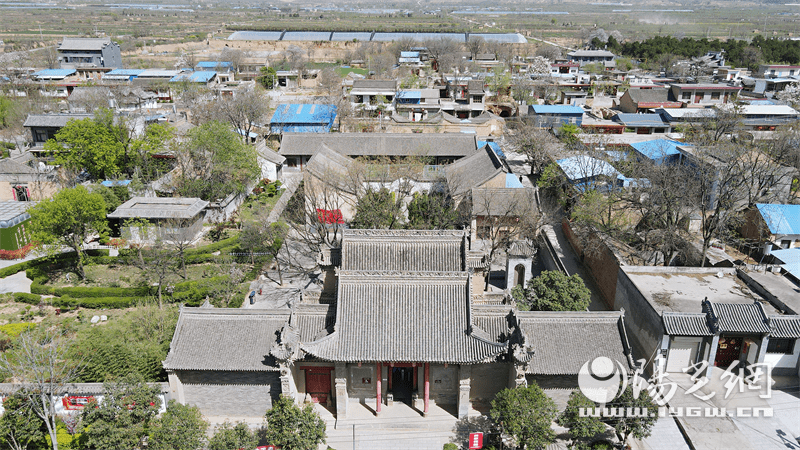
(318,383)
(698,97)
(682,353)
(402,383)
(728,351)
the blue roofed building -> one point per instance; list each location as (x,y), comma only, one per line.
(586,173)
(553,116)
(217,66)
(53,74)
(206,77)
(774,225)
(658,151)
(409,59)
(643,123)
(303,118)
(122,75)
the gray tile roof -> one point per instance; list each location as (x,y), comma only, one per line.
(686,324)
(314,321)
(84,44)
(225,339)
(330,166)
(737,317)
(11,167)
(497,321)
(503,201)
(375,85)
(655,95)
(380,144)
(785,327)
(268,154)
(75,388)
(52,120)
(403,250)
(159,208)
(473,171)
(521,248)
(404,317)
(11,209)
(563,341)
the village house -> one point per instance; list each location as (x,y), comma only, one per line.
(704,94)
(584,57)
(465,97)
(773,226)
(173,219)
(554,116)
(637,100)
(373,96)
(710,316)
(406,328)
(44,127)
(89,52)
(302,118)
(777,71)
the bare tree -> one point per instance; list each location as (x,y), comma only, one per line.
(550,52)
(537,144)
(443,51)
(501,216)
(476,45)
(156,261)
(245,109)
(233,56)
(39,362)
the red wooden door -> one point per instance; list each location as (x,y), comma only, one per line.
(318,384)
(728,351)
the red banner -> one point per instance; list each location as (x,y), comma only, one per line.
(475,441)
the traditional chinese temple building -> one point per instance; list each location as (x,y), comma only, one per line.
(405,324)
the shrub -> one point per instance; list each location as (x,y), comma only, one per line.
(450,446)
(94,302)
(24,297)
(15,329)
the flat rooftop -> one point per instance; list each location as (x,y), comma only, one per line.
(683,289)
(159,208)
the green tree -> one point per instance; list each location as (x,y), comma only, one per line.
(230,436)
(553,291)
(124,417)
(157,138)
(378,209)
(524,415)
(96,144)
(181,427)
(267,77)
(569,133)
(637,425)
(432,211)
(261,236)
(20,427)
(67,220)
(215,163)
(581,428)
(293,428)
(7,111)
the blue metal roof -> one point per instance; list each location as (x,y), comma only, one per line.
(790,258)
(657,149)
(201,76)
(640,120)
(557,109)
(585,167)
(125,72)
(781,219)
(214,64)
(54,73)
(109,183)
(512,181)
(494,146)
(409,95)
(303,118)
(409,54)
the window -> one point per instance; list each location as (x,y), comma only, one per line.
(686,96)
(40,135)
(21,193)
(783,346)
(786,243)
(715,96)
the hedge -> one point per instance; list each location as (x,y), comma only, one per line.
(94,302)
(24,297)
(39,277)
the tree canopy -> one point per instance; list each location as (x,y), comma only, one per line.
(229,436)
(292,427)
(553,291)
(181,427)
(378,209)
(95,144)
(215,163)
(67,220)
(432,211)
(525,414)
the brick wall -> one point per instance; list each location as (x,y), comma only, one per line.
(233,394)
(603,265)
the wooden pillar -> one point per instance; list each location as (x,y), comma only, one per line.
(378,374)
(414,366)
(389,377)
(427,388)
